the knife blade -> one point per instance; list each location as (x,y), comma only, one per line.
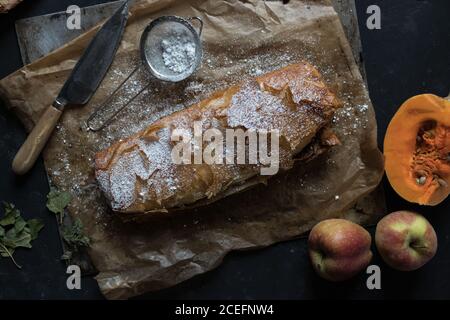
(82,83)
(95,61)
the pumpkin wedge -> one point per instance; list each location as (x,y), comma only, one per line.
(417,150)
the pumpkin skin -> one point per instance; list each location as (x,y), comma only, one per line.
(417,150)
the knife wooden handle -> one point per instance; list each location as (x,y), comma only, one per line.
(36,140)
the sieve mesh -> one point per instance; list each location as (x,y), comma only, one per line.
(152,48)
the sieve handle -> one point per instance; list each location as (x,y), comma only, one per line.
(103,115)
(199,20)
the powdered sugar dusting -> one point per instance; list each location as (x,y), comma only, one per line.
(178,52)
(256,109)
(149,161)
(123,179)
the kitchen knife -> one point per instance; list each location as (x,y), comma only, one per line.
(78,89)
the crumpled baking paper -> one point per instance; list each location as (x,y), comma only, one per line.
(241,39)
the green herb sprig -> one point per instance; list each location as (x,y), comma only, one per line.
(73,234)
(75,239)
(57,201)
(16,232)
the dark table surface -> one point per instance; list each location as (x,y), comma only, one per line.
(408,56)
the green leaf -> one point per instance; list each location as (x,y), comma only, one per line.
(8,253)
(15,232)
(10,234)
(73,235)
(5,254)
(34,225)
(11,213)
(20,224)
(14,240)
(57,201)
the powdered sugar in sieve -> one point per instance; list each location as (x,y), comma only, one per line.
(171,48)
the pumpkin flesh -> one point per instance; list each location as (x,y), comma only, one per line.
(417,150)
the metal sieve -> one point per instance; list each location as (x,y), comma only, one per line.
(167,27)
(151,54)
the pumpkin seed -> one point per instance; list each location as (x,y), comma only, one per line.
(421,180)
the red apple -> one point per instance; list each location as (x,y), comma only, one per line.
(339,249)
(405,240)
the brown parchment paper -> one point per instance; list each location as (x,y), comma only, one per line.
(241,39)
